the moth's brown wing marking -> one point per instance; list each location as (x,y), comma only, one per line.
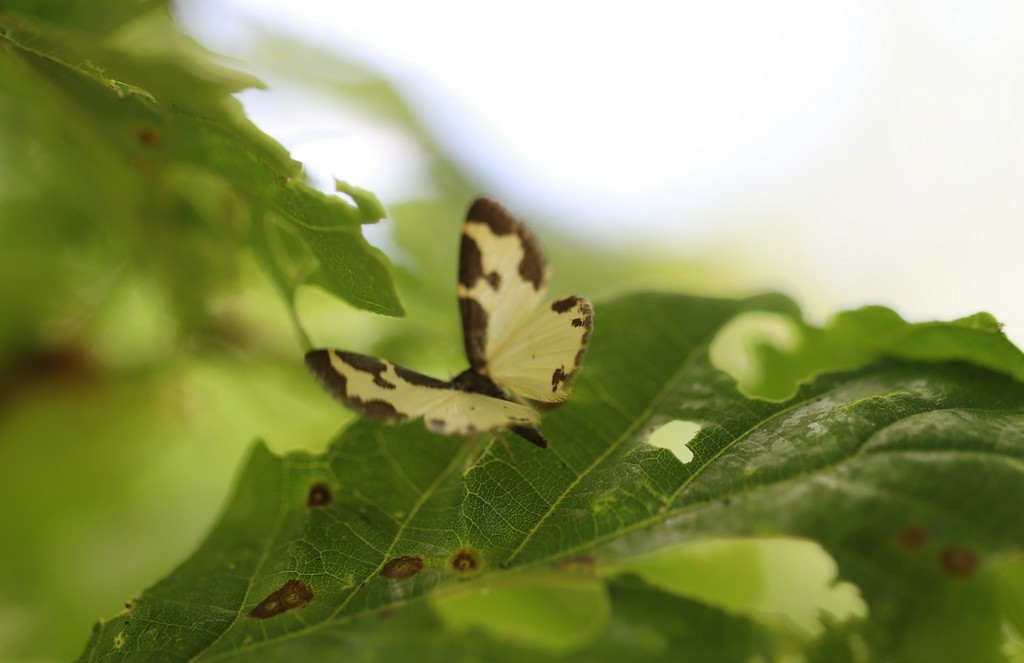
(544,350)
(389,393)
(531,434)
(376,388)
(502,276)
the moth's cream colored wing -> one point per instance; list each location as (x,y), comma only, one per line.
(530,349)
(502,277)
(543,352)
(389,393)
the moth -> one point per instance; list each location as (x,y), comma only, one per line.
(521,351)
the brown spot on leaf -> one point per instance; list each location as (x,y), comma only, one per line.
(912,537)
(58,366)
(405,566)
(464,561)
(119,641)
(128,605)
(319,495)
(149,136)
(293,594)
(957,562)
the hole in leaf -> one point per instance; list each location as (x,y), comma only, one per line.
(554,617)
(675,436)
(792,578)
(149,136)
(402,567)
(735,350)
(319,495)
(957,562)
(293,594)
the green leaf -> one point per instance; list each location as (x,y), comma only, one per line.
(909,475)
(95,17)
(350,266)
(855,338)
(133,141)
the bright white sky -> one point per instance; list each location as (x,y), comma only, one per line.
(848,152)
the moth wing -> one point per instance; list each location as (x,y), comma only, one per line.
(503,274)
(543,352)
(389,393)
(376,388)
(467,414)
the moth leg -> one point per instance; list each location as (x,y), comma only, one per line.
(474,452)
(504,443)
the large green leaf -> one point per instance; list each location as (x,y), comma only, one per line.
(908,474)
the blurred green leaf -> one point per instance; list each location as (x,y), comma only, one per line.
(96,17)
(125,150)
(855,338)
(907,474)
